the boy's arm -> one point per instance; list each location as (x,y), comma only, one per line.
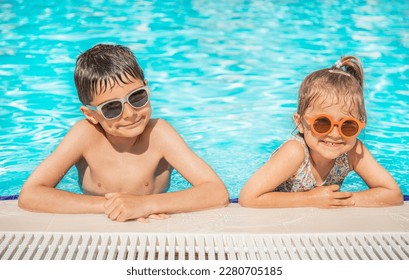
(258,191)
(207,191)
(39,193)
(383,189)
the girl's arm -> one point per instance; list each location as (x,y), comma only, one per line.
(39,193)
(207,191)
(258,191)
(383,189)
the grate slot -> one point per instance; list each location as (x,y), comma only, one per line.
(162,247)
(404,246)
(53,247)
(201,248)
(293,248)
(151,248)
(132,248)
(13,246)
(319,248)
(181,253)
(271,248)
(63,250)
(250,248)
(123,248)
(348,249)
(309,247)
(219,246)
(329,249)
(191,247)
(231,254)
(32,247)
(142,248)
(72,247)
(279,245)
(211,251)
(241,250)
(260,248)
(23,247)
(339,250)
(368,249)
(93,248)
(112,252)
(5,241)
(172,247)
(395,247)
(82,247)
(386,248)
(42,247)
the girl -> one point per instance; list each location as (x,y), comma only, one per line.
(309,168)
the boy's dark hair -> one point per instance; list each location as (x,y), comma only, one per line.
(102,67)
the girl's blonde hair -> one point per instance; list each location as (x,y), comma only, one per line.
(343,83)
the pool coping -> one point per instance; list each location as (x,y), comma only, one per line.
(230,219)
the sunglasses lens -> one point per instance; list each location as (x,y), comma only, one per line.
(112,109)
(350,128)
(138,99)
(322,125)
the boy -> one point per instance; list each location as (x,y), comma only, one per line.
(123,157)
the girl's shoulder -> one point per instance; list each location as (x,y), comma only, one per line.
(294,148)
(357,153)
(297,144)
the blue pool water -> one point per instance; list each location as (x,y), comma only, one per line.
(225,74)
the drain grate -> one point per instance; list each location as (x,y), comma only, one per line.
(133,246)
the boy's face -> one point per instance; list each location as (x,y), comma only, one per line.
(131,122)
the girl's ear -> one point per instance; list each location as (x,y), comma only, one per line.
(297,120)
(89,114)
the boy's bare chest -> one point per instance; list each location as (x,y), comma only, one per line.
(120,172)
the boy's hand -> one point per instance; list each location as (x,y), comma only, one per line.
(122,207)
(153,216)
(330,197)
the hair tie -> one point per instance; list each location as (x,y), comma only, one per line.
(342,72)
(338,64)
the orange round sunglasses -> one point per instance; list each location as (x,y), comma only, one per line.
(323,124)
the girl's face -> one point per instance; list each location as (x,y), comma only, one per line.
(333,144)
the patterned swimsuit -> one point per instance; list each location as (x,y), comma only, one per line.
(303,179)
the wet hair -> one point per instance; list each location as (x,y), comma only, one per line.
(102,67)
(342,83)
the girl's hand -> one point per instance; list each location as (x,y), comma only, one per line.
(330,197)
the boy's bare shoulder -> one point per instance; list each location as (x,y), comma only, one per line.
(160,127)
(162,134)
(84,132)
(87,128)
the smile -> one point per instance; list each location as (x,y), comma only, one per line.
(331,144)
(133,124)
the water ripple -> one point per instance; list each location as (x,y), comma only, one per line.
(224,73)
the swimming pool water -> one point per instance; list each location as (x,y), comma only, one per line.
(225,74)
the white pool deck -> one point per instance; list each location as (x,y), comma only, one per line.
(232,232)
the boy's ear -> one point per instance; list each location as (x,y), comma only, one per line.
(298,124)
(89,114)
